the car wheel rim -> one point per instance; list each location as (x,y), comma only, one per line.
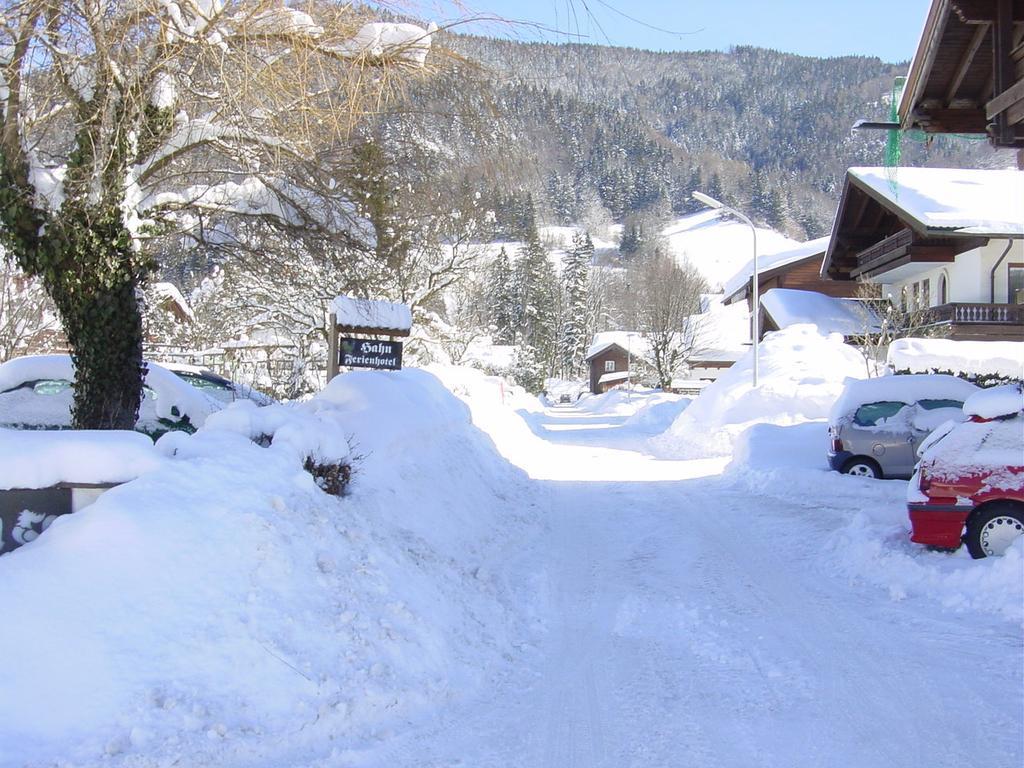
(861,470)
(999,533)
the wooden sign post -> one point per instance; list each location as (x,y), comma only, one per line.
(366,317)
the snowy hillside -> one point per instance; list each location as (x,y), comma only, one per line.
(718,246)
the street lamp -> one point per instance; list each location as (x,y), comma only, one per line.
(710,202)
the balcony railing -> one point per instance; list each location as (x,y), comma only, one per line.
(989,314)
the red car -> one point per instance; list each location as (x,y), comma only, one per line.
(969,485)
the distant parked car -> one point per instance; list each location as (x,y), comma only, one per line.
(969,485)
(877,425)
(36,392)
(215,385)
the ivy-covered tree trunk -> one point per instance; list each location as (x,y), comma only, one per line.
(88,266)
(92,273)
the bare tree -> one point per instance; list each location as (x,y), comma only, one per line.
(664,295)
(120,119)
(28,320)
(886,319)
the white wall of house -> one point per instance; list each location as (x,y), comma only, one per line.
(967,278)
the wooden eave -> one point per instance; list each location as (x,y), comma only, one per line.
(613,345)
(967,75)
(747,288)
(871,236)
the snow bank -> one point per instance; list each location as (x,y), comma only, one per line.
(801,375)
(31,459)
(976,358)
(222,605)
(876,549)
(865,526)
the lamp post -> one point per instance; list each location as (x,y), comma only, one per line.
(710,202)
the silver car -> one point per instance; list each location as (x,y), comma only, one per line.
(877,425)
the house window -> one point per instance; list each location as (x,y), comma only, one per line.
(1015,281)
(943,297)
(609,366)
(926,293)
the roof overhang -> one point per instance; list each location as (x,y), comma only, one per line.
(872,234)
(967,75)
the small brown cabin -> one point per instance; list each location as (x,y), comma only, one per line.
(604,364)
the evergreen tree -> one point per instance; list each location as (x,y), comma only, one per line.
(536,291)
(501,300)
(575,274)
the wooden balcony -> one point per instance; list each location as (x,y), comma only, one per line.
(982,322)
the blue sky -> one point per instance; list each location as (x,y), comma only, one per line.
(888,29)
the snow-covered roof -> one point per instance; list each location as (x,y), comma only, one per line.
(968,201)
(616,376)
(850,317)
(371,313)
(722,332)
(770,261)
(631,341)
(973,358)
(899,389)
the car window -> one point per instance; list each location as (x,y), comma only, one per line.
(932,405)
(51,386)
(201,382)
(870,414)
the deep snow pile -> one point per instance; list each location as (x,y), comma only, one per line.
(222,607)
(801,375)
(30,459)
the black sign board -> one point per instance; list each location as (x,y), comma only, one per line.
(370,353)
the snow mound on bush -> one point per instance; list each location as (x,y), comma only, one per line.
(223,606)
(801,374)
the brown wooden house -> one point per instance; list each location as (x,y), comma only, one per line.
(951,241)
(968,73)
(797,268)
(609,366)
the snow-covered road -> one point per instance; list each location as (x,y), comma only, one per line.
(686,620)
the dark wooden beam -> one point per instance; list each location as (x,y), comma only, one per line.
(858,211)
(984,11)
(938,253)
(1005,100)
(965,62)
(1002,63)
(952,120)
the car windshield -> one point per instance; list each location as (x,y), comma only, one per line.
(870,414)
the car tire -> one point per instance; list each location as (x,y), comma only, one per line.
(993,528)
(859,466)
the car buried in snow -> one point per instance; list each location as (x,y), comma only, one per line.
(36,392)
(969,485)
(877,425)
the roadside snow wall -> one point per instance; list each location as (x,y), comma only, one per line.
(222,610)
(801,374)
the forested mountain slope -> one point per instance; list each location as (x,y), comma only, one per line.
(634,132)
